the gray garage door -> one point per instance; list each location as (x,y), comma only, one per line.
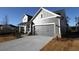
(46,30)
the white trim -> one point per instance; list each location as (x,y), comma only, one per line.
(35,14)
(59,27)
(49,17)
(44,24)
(25,29)
(54,30)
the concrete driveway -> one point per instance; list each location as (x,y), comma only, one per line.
(27,43)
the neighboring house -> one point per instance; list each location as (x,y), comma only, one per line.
(1,27)
(24,25)
(48,23)
(4,29)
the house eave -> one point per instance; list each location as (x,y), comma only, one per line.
(25,23)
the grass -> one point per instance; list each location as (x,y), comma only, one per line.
(8,37)
(62,44)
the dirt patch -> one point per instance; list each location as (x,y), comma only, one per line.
(63,44)
(8,37)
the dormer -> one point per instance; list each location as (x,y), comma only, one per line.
(26,18)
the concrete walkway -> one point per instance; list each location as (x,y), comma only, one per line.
(27,43)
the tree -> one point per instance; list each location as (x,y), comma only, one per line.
(5,23)
(5,20)
(68,19)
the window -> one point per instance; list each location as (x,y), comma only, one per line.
(41,15)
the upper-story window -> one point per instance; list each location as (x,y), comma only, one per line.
(41,15)
(24,19)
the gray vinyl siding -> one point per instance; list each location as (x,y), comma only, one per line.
(63,25)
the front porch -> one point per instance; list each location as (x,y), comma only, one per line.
(25,28)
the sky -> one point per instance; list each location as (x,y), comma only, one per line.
(15,14)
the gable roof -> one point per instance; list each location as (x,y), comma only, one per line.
(36,13)
(29,17)
(12,25)
(44,10)
(62,13)
(50,12)
(9,25)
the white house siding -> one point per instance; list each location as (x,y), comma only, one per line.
(44,14)
(25,19)
(52,28)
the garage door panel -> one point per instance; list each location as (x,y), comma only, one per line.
(47,30)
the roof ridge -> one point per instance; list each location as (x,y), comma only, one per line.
(28,14)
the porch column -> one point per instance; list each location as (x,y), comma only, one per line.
(24,29)
(30,29)
(19,29)
(59,18)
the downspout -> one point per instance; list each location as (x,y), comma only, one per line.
(19,28)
